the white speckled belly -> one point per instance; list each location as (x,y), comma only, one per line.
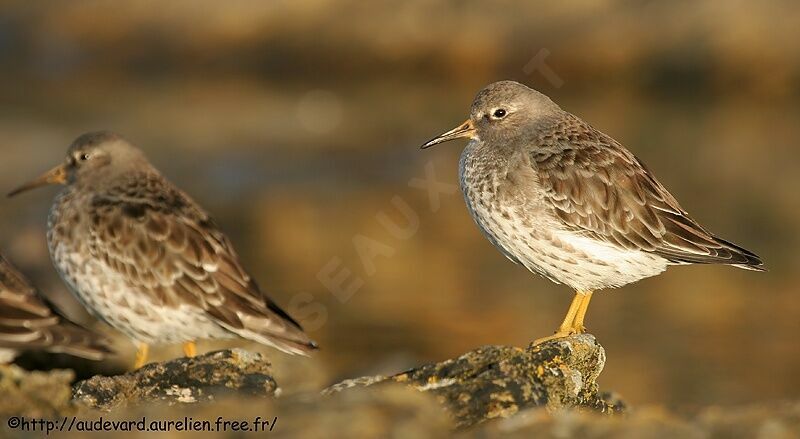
(105,294)
(525,230)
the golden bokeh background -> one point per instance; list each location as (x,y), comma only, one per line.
(297,125)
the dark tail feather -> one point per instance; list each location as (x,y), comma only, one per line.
(304,348)
(74,340)
(716,251)
(749,260)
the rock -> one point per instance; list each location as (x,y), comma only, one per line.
(181,381)
(774,420)
(34,394)
(543,391)
(372,412)
(499,381)
(539,424)
(489,382)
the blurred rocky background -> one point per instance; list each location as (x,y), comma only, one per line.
(297,124)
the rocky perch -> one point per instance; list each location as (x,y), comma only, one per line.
(489,382)
(184,380)
(522,390)
(499,381)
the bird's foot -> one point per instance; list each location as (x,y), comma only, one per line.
(561,333)
(141,355)
(190,349)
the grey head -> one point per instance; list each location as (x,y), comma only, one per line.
(91,158)
(500,111)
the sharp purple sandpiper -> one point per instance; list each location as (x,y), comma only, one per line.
(570,203)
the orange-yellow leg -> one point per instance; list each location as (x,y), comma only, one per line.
(190,349)
(141,355)
(573,322)
(581,314)
(565,329)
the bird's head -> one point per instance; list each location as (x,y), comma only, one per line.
(500,110)
(91,157)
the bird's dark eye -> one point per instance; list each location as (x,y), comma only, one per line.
(499,113)
(84,157)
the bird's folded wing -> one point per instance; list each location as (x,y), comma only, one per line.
(168,248)
(599,188)
(28,322)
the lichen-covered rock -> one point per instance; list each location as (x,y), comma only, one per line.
(34,394)
(528,391)
(499,381)
(184,380)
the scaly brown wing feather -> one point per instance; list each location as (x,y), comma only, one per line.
(599,188)
(171,249)
(28,323)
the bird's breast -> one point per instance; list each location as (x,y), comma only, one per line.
(65,223)
(507,203)
(503,198)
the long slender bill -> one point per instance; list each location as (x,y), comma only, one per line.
(57,175)
(466,129)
